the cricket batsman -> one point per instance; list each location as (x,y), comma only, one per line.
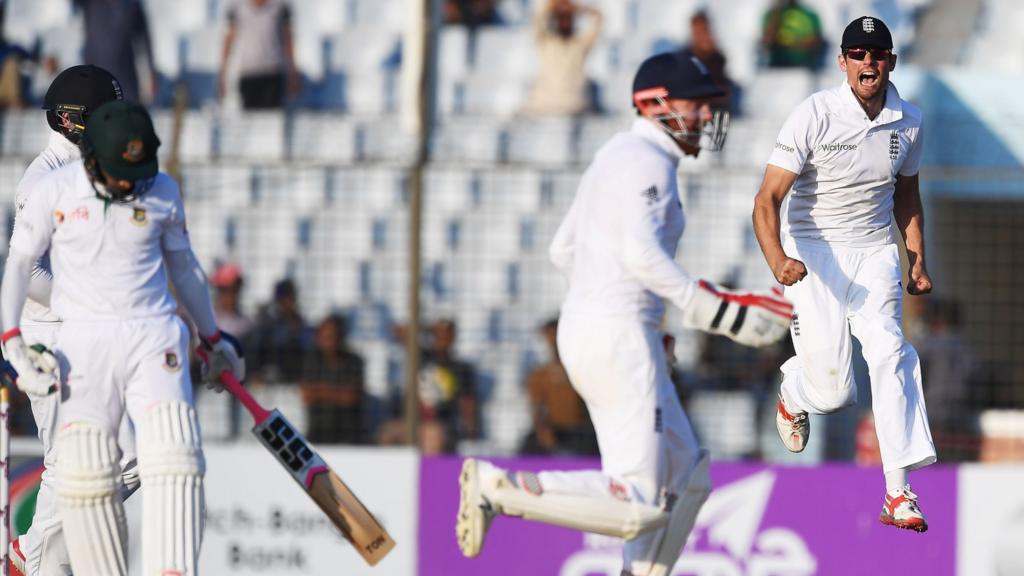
(72,96)
(617,245)
(114,226)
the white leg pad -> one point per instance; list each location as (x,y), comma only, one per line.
(682,518)
(171,466)
(89,500)
(609,516)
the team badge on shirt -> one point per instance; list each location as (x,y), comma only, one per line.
(139,217)
(59,216)
(171,362)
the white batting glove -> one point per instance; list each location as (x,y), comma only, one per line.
(223,354)
(756,319)
(36,367)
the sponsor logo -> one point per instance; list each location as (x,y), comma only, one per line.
(78,214)
(729,537)
(651,194)
(171,361)
(894,144)
(837,147)
(139,217)
(868,24)
(796,325)
(134,151)
(784,148)
(59,216)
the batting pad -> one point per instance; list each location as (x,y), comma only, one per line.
(171,467)
(89,500)
(667,545)
(609,516)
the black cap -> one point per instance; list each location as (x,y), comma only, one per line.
(674,75)
(80,89)
(867,32)
(123,141)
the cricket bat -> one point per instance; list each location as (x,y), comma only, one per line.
(310,471)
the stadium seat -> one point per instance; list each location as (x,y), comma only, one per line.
(323,137)
(256,136)
(468,140)
(509,52)
(390,15)
(550,142)
(24,133)
(200,54)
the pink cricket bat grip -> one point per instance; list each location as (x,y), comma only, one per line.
(259,413)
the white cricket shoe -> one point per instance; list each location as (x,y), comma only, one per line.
(794,429)
(475,511)
(901,510)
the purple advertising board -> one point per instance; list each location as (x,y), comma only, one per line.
(760,520)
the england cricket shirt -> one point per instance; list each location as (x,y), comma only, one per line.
(618,242)
(59,151)
(846,165)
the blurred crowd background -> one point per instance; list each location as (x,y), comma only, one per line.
(294,163)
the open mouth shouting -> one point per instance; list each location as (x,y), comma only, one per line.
(868,79)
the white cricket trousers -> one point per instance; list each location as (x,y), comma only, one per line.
(857,291)
(43,543)
(648,448)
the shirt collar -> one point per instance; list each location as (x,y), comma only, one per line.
(891,112)
(63,148)
(650,131)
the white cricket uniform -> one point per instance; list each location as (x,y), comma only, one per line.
(121,345)
(43,545)
(617,245)
(838,220)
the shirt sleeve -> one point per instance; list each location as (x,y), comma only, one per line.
(793,145)
(562,246)
(647,194)
(175,235)
(912,164)
(34,223)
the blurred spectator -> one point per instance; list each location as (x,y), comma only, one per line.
(791,36)
(279,339)
(266,55)
(449,410)
(114,29)
(704,46)
(448,399)
(947,367)
(471,13)
(227,285)
(561,424)
(333,386)
(561,87)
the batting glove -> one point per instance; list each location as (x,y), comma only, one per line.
(35,366)
(756,319)
(223,353)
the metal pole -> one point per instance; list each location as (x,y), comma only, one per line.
(425,33)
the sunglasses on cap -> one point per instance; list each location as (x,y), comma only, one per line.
(862,53)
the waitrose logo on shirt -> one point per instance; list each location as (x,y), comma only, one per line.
(836,147)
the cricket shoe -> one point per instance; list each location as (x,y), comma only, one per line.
(16,560)
(901,510)
(475,512)
(794,429)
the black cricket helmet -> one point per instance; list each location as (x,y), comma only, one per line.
(74,94)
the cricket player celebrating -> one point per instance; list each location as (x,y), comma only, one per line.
(74,94)
(851,156)
(617,245)
(115,229)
